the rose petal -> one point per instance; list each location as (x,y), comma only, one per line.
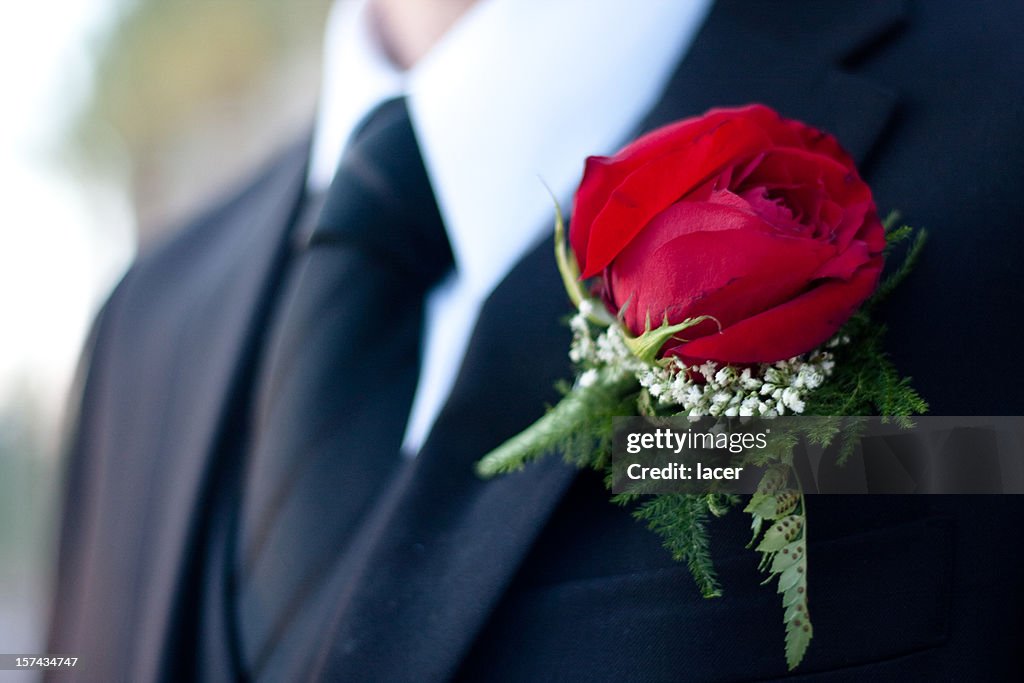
(800,168)
(772,210)
(789,329)
(846,263)
(656,185)
(821,142)
(739,269)
(602,175)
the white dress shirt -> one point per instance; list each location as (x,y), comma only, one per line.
(514,97)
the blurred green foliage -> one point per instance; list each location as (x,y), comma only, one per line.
(162,58)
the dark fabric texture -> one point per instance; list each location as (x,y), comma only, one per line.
(337,380)
(535,576)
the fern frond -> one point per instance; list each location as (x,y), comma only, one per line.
(681,520)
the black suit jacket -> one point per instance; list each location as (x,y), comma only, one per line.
(535,576)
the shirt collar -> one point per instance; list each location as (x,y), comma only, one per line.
(514,97)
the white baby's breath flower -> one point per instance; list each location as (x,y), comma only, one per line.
(791,399)
(748,381)
(749,407)
(838,340)
(765,389)
(707,370)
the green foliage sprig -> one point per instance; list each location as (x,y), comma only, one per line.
(681,520)
(783,548)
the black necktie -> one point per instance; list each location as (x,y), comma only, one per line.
(338,375)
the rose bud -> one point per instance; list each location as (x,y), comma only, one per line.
(761,222)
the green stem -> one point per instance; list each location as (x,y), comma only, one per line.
(803,503)
(570,414)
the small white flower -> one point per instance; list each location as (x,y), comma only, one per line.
(791,399)
(748,382)
(707,370)
(766,389)
(749,407)
(587,378)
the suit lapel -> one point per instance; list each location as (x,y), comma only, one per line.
(443,546)
(745,54)
(225,321)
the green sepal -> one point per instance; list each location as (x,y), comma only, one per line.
(569,269)
(647,345)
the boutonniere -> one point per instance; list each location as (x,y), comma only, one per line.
(725,267)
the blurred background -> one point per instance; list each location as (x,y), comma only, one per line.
(119,119)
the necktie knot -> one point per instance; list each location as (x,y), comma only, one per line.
(381,201)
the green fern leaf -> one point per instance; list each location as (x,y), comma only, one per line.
(781,533)
(791,575)
(681,520)
(798,636)
(787,557)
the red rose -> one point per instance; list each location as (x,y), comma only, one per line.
(759,221)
